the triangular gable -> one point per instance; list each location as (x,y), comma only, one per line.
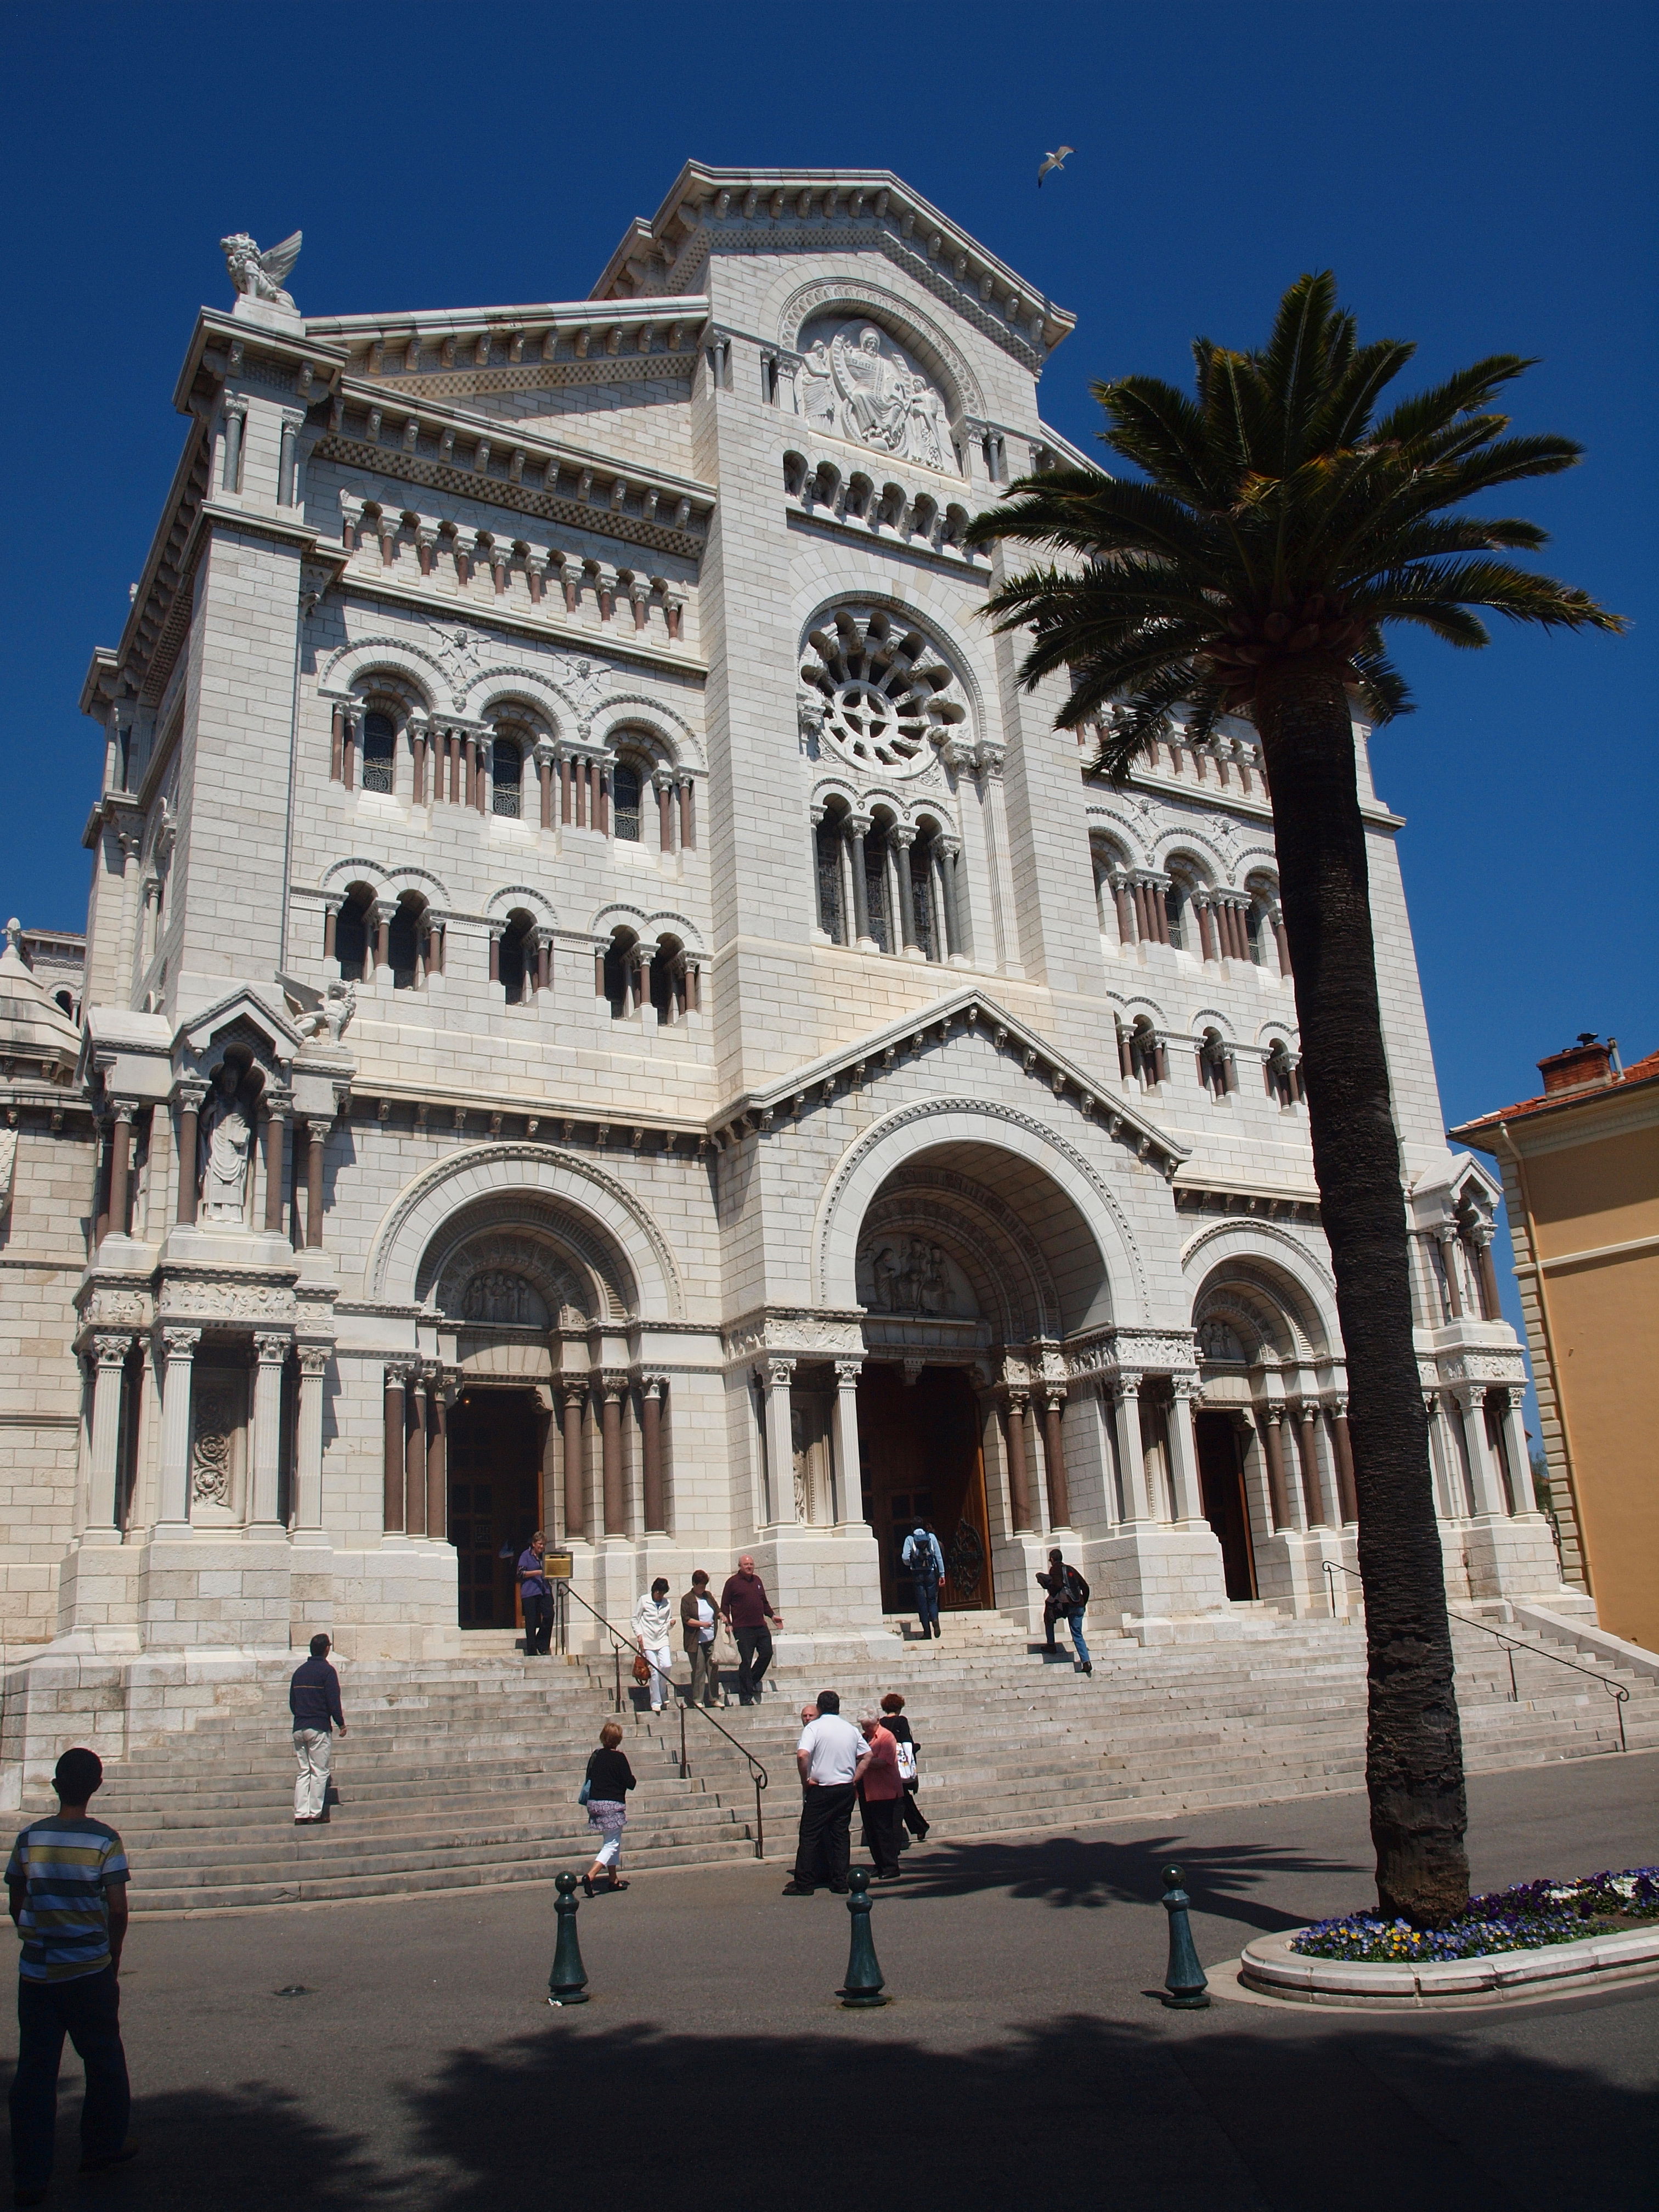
(967,1009)
(197,1034)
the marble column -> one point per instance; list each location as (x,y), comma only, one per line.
(857,830)
(270,1351)
(948,850)
(108,1364)
(414,1455)
(1186,1391)
(849,1473)
(179,1356)
(1447,1238)
(1482,1467)
(190,1096)
(573,1467)
(308,1440)
(1054,1453)
(613,1475)
(1132,1460)
(900,837)
(316,1138)
(1515,1440)
(274,1133)
(777,1377)
(1307,1436)
(120,1165)
(1019,1477)
(1272,1445)
(392,1512)
(654,1388)
(1337,1412)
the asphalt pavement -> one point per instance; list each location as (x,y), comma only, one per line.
(1025,2055)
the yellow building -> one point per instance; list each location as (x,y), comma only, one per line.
(1581,1175)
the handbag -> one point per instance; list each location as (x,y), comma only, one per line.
(641,1670)
(725,1646)
(586,1791)
(907,1764)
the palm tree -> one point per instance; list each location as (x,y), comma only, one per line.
(1280,525)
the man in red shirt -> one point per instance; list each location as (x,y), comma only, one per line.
(745,1609)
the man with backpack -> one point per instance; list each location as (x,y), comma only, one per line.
(924,1562)
(1066,1596)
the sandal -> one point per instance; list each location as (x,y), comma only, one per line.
(587,1883)
(615,1884)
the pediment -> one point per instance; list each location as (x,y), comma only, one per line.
(244,1013)
(863,1063)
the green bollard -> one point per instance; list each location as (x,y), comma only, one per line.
(567,1982)
(864,1986)
(1189,1992)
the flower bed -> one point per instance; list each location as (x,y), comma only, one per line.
(1524,1917)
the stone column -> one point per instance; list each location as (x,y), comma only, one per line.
(849,1473)
(1132,1458)
(901,838)
(437,1457)
(308,1448)
(573,1468)
(1276,917)
(544,779)
(316,1138)
(1273,1444)
(688,813)
(1446,1236)
(1206,928)
(1485,1274)
(120,1165)
(1054,1453)
(413,1455)
(777,1377)
(1444,1461)
(1020,1473)
(857,830)
(179,1354)
(1488,1488)
(1338,1411)
(654,1388)
(274,1133)
(613,1475)
(1307,1436)
(269,1349)
(1515,1440)
(190,1096)
(1186,1390)
(950,875)
(332,927)
(392,1512)
(663,779)
(108,1364)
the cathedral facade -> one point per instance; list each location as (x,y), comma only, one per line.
(607,1009)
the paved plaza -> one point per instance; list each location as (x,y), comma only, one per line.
(1024,2057)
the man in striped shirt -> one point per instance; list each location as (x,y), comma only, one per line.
(67,1883)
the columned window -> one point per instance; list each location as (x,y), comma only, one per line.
(506,777)
(625,800)
(380,743)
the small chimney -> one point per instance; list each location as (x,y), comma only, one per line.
(1579,1066)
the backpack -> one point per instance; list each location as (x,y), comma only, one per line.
(1076,1590)
(919,1554)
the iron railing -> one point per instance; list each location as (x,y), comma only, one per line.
(621,1642)
(1616,1690)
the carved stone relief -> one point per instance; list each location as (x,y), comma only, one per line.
(890,697)
(855,382)
(912,1275)
(219,1403)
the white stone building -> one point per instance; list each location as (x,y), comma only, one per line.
(607,1008)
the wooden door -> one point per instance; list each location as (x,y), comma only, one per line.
(1221,1479)
(495,1500)
(919,1450)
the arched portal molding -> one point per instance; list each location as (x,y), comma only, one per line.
(680,745)
(349,666)
(1276,1265)
(536,1175)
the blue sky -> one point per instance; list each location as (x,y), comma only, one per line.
(1481,177)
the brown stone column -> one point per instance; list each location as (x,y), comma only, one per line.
(579,771)
(552,1518)
(564,791)
(417,750)
(653,1391)
(330,929)
(1280,940)
(437,1459)
(190,1106)
(275,1130)
(415,1458)
(1307,1436)
(573,1468)
(689,815)
(316,1138)
(665,815)
(391,1514)
(545,774)
(1020,1482)
(602,799)
(120,1167)
(336,746)
(1340,1437)
(613,1479)
(1054,1445)
(1207,930)
(495,955)
(1126,914)
(1273,1444)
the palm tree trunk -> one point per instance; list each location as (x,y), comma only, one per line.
(1414,1754)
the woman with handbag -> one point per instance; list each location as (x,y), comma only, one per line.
(605,1792)
(893,1720)
(654,1669)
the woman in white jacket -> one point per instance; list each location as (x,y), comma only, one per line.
(651,1631)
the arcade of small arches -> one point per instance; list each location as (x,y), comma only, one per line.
(1179,906)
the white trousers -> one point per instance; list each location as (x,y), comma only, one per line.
(312,1748)
(610,1850)
(662,1672)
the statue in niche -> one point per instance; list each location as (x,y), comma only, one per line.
(1216,1340)
(223,1149)
(497,1294)
(916,1280)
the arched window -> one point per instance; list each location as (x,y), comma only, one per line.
(828,843)
(1215,1064)
(625,800)
(351,930)
(1112,901)
(506,777)
(1174,908)
(62,1000)
(403,940)
(923,858)
(517,957)
(618,973)
(380,751)
(1146,1055)
(667,980)
(875,881)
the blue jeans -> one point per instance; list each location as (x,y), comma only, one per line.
(927,1600)
(1073,1616)
(87,2011)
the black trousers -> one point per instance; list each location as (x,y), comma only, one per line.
(826,1841)
(87,2010)
(881,1831)
(754,1657)
(910,1814)
(537,1624)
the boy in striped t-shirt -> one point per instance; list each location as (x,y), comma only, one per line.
(67,1883)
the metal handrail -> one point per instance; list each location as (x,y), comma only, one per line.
(621,1642)
(1616,1690)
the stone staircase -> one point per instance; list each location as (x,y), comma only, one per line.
(463,1774)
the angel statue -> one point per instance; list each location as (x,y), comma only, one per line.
(259,276)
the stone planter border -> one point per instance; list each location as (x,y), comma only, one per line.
(1270,1967)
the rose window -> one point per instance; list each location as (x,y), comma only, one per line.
(888,697)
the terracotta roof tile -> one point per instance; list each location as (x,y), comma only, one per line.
(1640,1071)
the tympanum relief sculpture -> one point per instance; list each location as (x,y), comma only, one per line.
(853,382)
(909,1276)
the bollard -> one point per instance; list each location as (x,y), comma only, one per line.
(567,1982)
(1187,1990)
(863,1983)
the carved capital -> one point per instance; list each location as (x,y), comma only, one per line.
(1126,1385)
(110,1349)
(270,1349)
(654,1386)
(313,1359)
(178,1345)
(1187,1386)
(777,1374)
(848,1372)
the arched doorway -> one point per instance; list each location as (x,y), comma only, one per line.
(495,1445)
(1221,1481)
(918,1448)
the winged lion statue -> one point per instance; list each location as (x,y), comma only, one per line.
(259,276)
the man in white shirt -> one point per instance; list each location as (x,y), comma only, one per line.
(831,1756)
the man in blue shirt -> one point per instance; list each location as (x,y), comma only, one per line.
(536,1591)
(67,1886)
(313,1698)
(925,1562)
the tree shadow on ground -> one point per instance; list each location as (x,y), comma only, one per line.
(1066,1870)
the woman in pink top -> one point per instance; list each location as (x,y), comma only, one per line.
(881,1794)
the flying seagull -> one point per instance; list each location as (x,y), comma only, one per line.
(1054,161)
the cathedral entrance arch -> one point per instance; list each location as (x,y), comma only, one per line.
(919,1450)
(497,1441)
